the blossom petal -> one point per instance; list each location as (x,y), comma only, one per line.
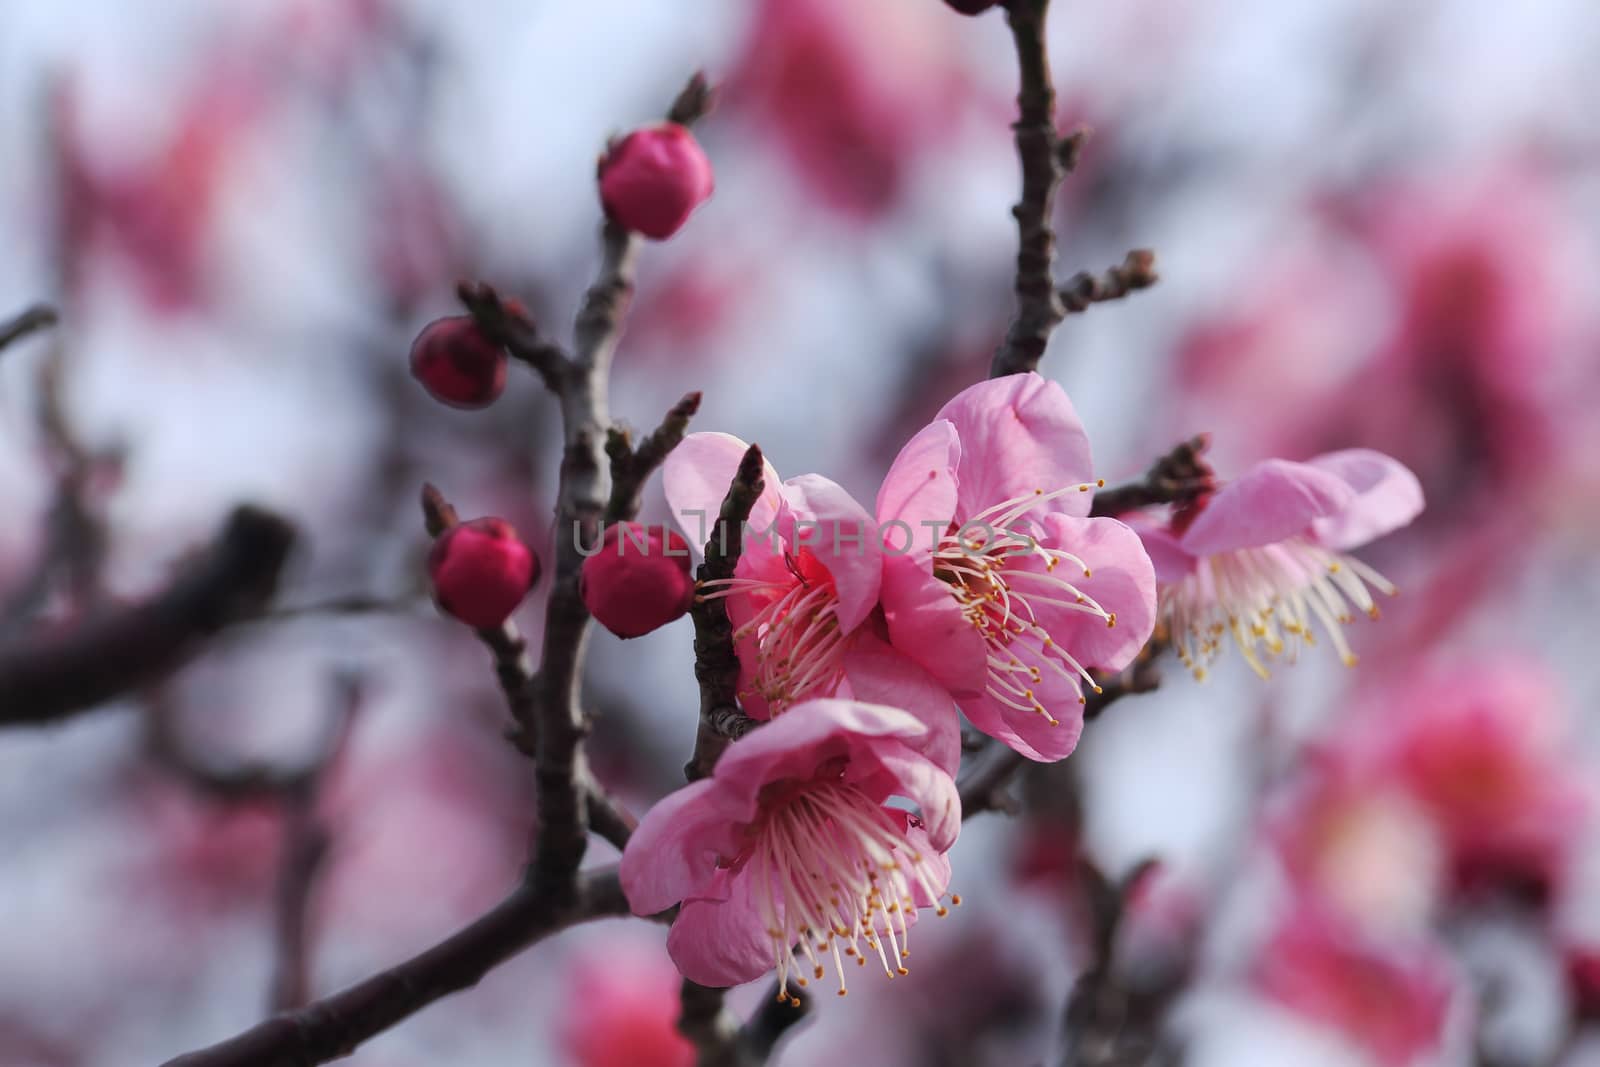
(1122,581)
(1274,500)
(1028,732)
(926,623)
(696,477)
(897,770)
(1019,434)
(793,745)
(919,492)
(1171,562)
(878,674)
(673,854)
(819,514)
(1387,497)
(722,941)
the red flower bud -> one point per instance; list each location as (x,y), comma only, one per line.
(972,7)
(653,178)
(481,571)
(457,364)
(638,580)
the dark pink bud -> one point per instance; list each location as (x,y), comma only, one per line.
(1583,973)
(972,7)
(457,364)
(481,571)
(652,179)
(638,580)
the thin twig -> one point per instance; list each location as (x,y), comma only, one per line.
(513,668)
(508,325)
(51,676)
(334,1026)
(1179,477)
(632,466)
(1137,271)
(1039,149)
(37,317)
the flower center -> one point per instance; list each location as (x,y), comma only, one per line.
(1266,598)
(836,874)
(1000,599)
(799,644)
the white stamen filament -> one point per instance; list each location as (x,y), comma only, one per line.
(998,599)
(833,869)
(1265,599)
(799,645)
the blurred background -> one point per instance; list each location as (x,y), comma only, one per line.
(1376,225)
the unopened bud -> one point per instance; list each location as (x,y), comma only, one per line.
(638,580)
(481,571)
(457,363)
(652,179)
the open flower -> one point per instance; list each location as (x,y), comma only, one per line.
(1264,556)
(790,854)
(995,579)
(1391,997)
(808,574)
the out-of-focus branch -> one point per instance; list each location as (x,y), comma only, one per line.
(334,1026)
(306,838)
(632,466)
(1040,150)
(51,676)
(1137,271)
(513,668)
(1110,1022)
(716,665)
(1176,478)
(37,317)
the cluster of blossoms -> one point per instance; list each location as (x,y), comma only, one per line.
(1456,789)
(979,583)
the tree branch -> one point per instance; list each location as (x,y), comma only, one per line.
(716,665)
(49,676)
(37,317)
(334,1026)
(513,669)
(1180,476)
(1138,271)
(1039,148)
(631,467)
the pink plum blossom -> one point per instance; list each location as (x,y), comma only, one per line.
(1265,555)
(791,852)
(803,597)
(1392,998)
(622,1008)
(978,512)
(1483,751)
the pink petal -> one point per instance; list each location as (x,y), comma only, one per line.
(696,477)
(673,854)
(920,491)
(793,745)
(1019,434)
(818,514)
(926,623)
(895,770)
(1172,563)
(1387,497)
(935,864)
(1028,732)
(877,674)
(722,942)
(1274,500)
(1122,581)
